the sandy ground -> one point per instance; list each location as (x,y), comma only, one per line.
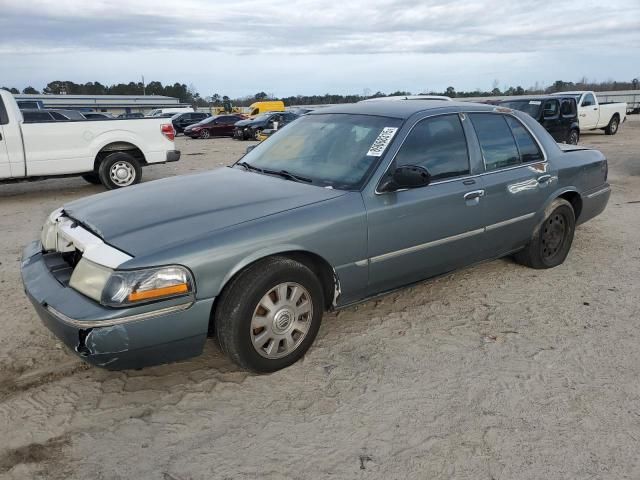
(495,372)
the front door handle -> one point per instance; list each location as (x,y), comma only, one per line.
(544,179)
(473,195)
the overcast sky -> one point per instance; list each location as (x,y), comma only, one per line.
(291,47)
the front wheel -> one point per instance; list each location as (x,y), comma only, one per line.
(612,128)
(574,137)
(551,241)
(119,170)
(269,315)
(204,133)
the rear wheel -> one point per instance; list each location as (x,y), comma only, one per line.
(270,314)
(574,137)
(612,128)
(92,178)
(119,170)
(552,240)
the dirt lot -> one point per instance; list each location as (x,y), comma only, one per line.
(495,372)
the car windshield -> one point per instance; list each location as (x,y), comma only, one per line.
(532,107)
(330,150)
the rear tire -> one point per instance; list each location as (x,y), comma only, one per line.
(119,170)
(93,178)
(574,137)
(269,315)
(612,128)
(551,241)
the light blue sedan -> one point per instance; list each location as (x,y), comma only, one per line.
(343,204)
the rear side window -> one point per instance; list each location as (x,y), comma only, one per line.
(4,117)
(496,141)
(437,144)
(568,108)
(527,146)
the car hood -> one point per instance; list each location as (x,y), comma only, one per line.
(244,123)
(147,218)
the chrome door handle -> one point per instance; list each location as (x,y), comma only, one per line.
(473,195)
(544,178)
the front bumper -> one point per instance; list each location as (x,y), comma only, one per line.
(114,338)
(173,155)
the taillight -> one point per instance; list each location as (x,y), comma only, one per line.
(168,131)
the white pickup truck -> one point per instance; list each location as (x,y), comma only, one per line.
(111,152)
(593,115)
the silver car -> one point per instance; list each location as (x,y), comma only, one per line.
(343,204)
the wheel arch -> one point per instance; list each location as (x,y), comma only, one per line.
(571,195)
(118,146)
(315,262)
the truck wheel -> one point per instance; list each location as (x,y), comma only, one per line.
(269,315)
(119,170)
(574,137)
(551,241)
(612,128)
(92,178)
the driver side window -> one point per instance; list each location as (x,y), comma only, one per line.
(437,144)
(588,100)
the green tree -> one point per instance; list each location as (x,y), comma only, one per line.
(30,90)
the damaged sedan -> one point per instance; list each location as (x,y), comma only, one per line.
(346,203)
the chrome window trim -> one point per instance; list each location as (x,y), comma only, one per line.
(453,238)
(116,321)
(463,116)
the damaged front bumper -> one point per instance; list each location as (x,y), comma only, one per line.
(114,338)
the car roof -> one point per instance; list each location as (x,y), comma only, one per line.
(537,97)
(404,109)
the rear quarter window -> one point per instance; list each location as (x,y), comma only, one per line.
(527,146)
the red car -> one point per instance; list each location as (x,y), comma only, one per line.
(216,126)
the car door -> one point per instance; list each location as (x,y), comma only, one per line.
(588,112)
(516,182)
(551,119)
(422,232)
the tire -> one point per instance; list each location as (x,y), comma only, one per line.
(574,137)
(254,337)
(551,240)
(119,170)
(256,135)
(612,128)
(93,178)
(204,134)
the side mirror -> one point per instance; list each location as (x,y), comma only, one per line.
(405,177)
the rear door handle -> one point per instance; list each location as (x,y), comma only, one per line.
(473,195)
(544,178)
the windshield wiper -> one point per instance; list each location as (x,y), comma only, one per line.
(289,175)
(248,166)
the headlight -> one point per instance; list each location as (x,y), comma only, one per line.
(124,288)
(141,286)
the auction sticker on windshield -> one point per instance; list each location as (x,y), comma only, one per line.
(380,144)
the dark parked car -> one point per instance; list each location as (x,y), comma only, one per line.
(557,114)
(216,126)
(343,204)
(183,120)
(50,115)
(250,129)
(131,115)
(98,116)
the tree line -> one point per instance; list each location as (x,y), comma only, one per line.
(189,95)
